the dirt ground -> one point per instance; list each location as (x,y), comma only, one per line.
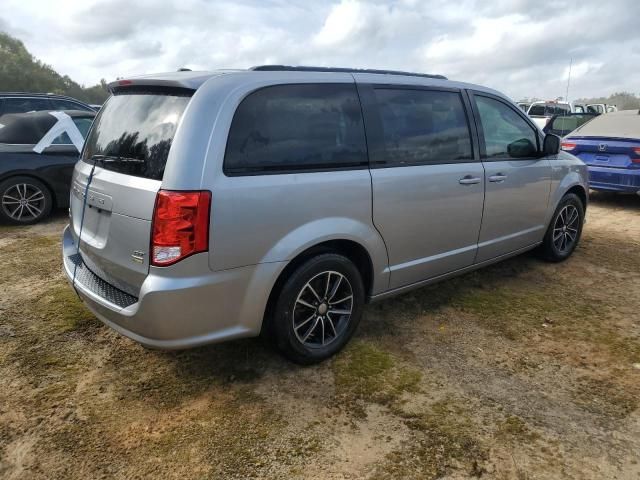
(523,370)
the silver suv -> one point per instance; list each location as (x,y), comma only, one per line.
(219,205)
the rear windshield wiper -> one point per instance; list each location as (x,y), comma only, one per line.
(104,159)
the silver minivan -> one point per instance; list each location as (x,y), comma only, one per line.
(209,206)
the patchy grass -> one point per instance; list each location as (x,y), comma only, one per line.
(605,398)
(84,402)
(30,256)
(233,435)
(365,373)
(62,309)
(516,429)
(441,437)
(513,309)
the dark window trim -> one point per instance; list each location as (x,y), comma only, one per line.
(260,171)
(374,128)
(278,170)
(153,90)
(483,149)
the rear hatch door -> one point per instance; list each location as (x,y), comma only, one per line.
(119,175)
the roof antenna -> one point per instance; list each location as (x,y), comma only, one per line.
(184,69)
(566,98)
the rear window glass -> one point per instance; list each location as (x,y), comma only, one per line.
(83,125)
(549,109)
(622,124)
(133,132)
(423,127)
(569,123)
(287,128)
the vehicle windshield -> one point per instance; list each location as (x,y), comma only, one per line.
(133,132)
(622,124)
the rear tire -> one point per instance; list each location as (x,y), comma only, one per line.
(24,201)
(318,309)
(564,230)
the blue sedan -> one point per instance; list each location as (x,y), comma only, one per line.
(610,146)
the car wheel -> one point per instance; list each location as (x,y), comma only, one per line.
(318,309)
(564,231)
(24,201)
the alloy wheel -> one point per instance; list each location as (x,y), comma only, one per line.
(322,309)
(23,202)
(565,230)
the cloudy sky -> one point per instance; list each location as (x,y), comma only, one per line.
(521,47)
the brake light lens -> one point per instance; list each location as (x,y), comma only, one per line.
(568,146)
(180,226)
(636,150)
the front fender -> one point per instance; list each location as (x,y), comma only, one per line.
(567,173)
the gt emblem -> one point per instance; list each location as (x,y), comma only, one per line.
(602,147)
(137,256)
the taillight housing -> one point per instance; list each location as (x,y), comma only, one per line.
(180,226)
(636,151)
(568,146)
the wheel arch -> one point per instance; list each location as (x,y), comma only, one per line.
(581,193)
(30,174)
(351,249)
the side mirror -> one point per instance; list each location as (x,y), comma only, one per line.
(551,145)
(522,148)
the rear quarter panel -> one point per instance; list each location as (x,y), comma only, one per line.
(268,218)
(54,170)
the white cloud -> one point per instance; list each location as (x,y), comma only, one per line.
(517,46)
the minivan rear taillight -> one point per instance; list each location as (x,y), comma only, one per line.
(180,226)
(568,146)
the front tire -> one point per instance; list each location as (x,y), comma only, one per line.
(564,230)
(318,309)
(24,201)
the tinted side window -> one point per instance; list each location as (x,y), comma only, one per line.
(423,127)
(23,105)
(506,134)
(297,127)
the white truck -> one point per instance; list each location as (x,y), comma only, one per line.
(601,108)
(541,112)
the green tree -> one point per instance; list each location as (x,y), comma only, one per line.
(21,72)
(622,100)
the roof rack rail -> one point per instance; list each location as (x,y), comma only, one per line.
(289,68)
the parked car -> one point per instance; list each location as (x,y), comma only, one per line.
(38,151)
(215,206)
(20,102)
(541,112)
(601,108)
(524,106)
(564,124)
(610,146)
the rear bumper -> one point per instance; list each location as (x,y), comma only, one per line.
(175,308)
(614,179)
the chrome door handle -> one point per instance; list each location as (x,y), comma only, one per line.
(497,178)
(469,180)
